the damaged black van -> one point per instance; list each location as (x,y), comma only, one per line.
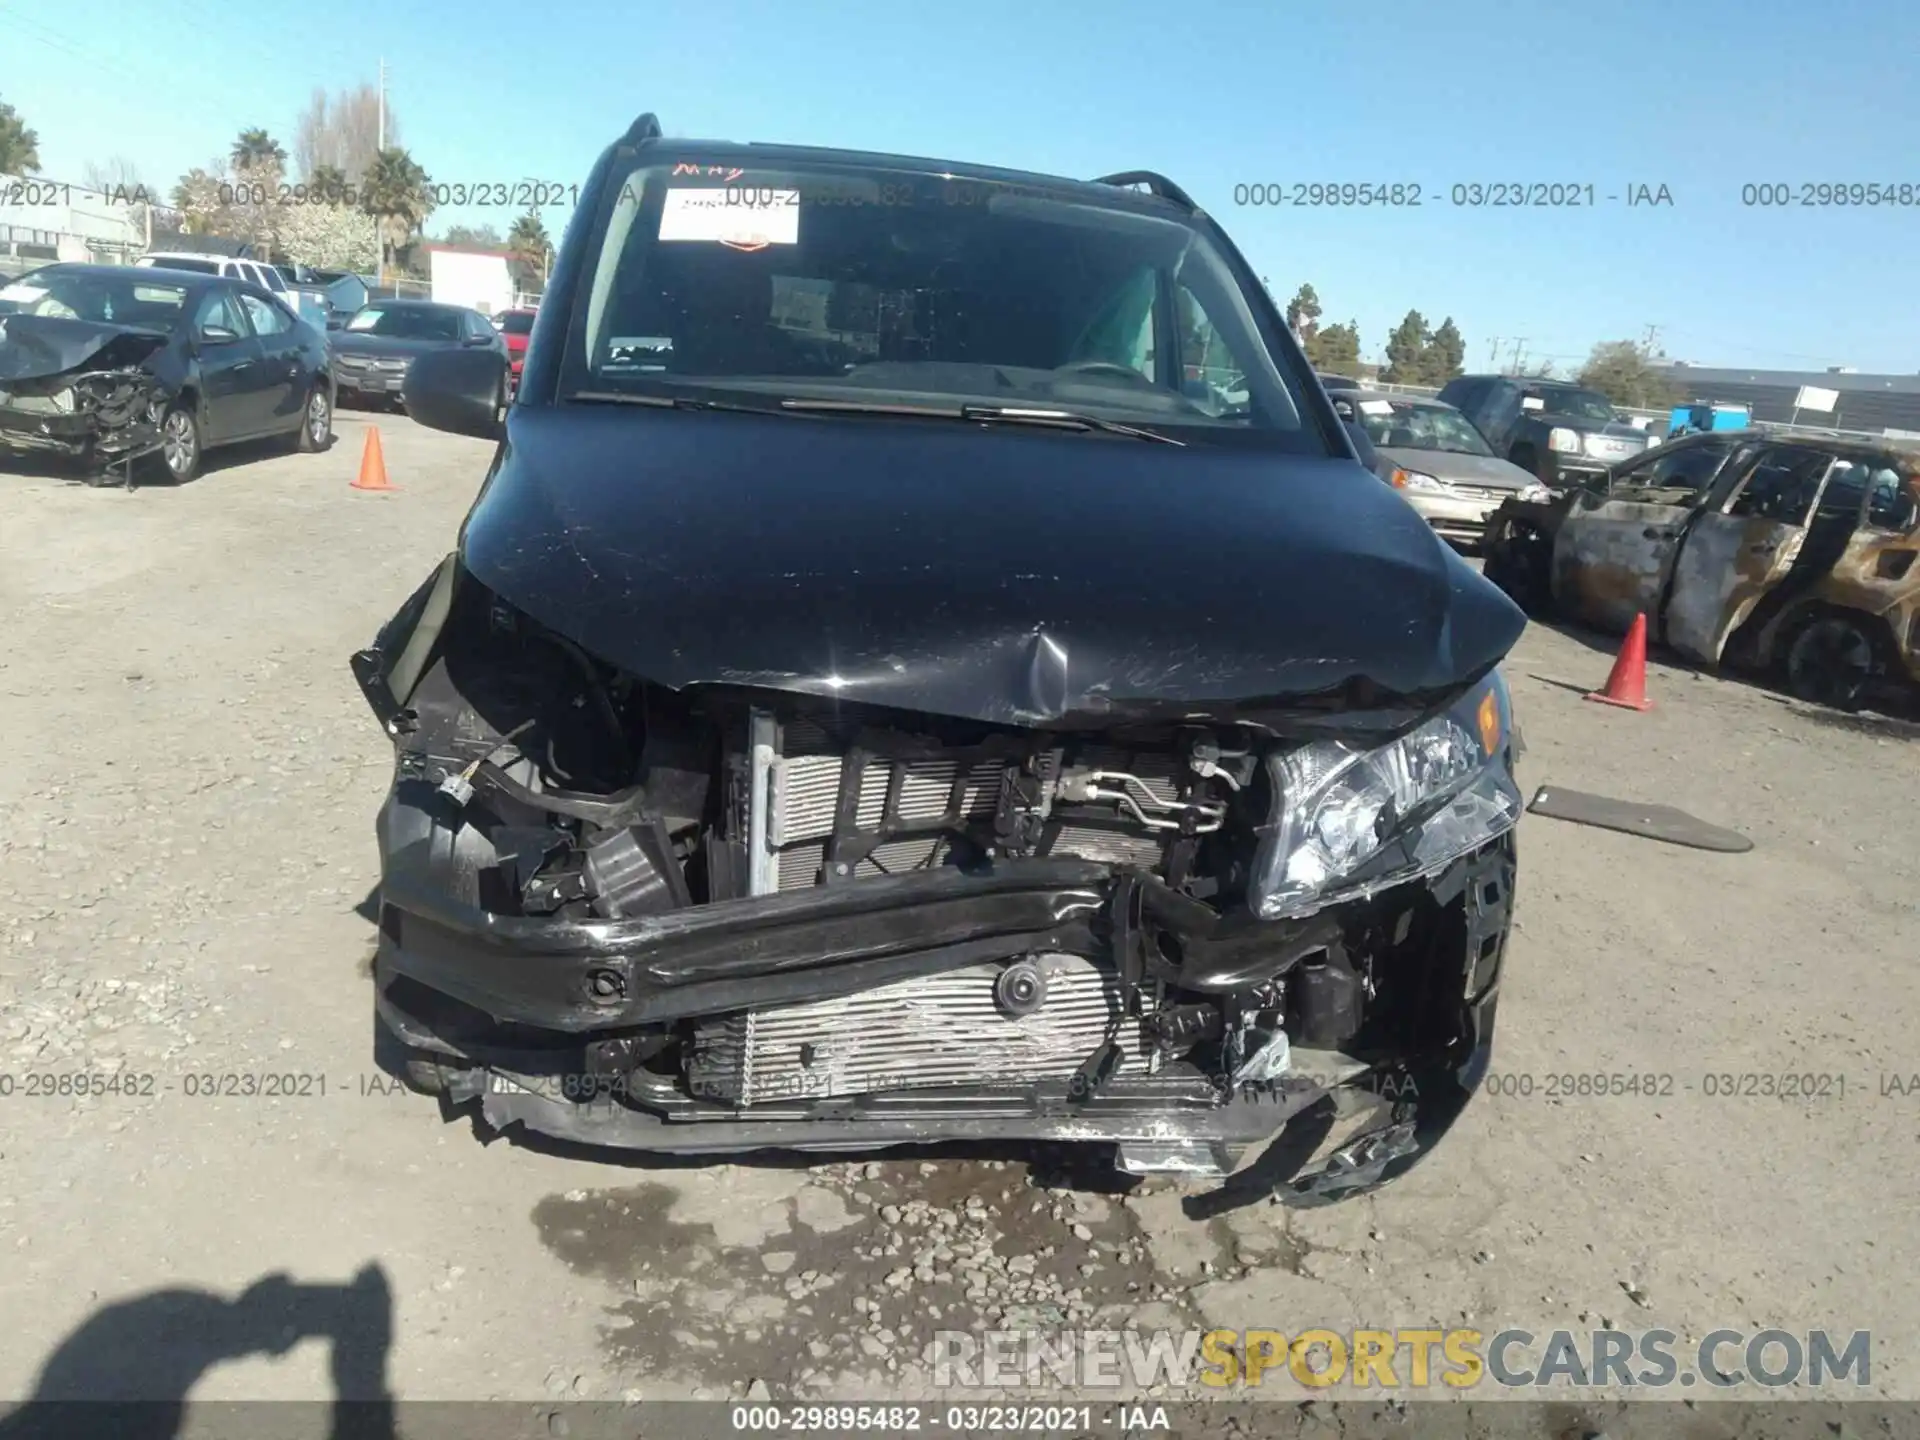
(926,664)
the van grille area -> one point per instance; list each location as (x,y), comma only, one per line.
(805,789)
(936,1031)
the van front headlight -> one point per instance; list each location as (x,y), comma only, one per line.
(1347,822)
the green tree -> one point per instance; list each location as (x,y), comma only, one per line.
(1624,372)
(1446,354)
(1303,313)
(197,196)
(1407,351)
(259,152)
(327,181)
(397,192)
(19,146)
(484,237)
(530,248)
(1336,350)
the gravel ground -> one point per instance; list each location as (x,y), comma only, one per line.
(185,864)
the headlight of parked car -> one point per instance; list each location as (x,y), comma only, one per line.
(1566,441)
(1415,480)
(1347,822)
(1532,493)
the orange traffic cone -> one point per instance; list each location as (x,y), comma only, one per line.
(373,465)
(1627,685)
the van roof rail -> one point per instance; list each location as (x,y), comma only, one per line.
(647,127)
(1156,184)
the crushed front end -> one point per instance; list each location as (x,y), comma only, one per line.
(720,919)
(92,398)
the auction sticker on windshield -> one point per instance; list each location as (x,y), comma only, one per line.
(1376,407)
(713,214)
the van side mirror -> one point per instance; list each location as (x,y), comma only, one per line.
(459,391)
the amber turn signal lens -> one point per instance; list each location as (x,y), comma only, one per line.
(1489,723)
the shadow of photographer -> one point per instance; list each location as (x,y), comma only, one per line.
(127,1370)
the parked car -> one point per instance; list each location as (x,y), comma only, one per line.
(514,327)
(1794,556)
(248,272)
(1561,433)
(105,364)
(373,349)
(1428,450)
(874,700)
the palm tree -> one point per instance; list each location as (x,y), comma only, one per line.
(329,183)
(528,243)
(257,150)
(19,146)
(398,193)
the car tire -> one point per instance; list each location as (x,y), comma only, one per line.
(1830,658)
(182,444)
(316,422)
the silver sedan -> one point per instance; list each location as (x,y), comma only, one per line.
(1431,453)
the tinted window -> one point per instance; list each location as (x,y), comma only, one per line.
(890,287)
(267,318)
(1781,486)
(516,322)
(407,322)
(1572,403)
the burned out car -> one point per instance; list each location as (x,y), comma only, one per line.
(1760,551)
(876,700)
(101,365)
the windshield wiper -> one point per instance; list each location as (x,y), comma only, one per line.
(993,414)
(667,402)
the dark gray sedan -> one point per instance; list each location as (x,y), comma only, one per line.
(373,350)
(1430,453)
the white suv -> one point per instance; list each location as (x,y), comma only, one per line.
(255,272)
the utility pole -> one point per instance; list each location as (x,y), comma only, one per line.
(380,145)
(1493,353)
(1648,341)
(1519,349)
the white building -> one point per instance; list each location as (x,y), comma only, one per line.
(468,275)
(44,220)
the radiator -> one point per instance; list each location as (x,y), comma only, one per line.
(940,1030)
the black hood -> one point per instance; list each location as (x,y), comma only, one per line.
(41,348)
(999,575)
(349,342)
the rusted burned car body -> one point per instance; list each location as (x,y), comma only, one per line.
(1742,548)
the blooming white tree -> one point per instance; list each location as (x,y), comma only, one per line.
(330,237)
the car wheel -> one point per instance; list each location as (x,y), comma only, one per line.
(180,443)
(316,422)
(1831,659)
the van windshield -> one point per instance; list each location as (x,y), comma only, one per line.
(892,286)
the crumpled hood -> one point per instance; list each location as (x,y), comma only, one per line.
(1000,575)
(42,348)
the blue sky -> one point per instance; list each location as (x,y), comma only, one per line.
(1702,96)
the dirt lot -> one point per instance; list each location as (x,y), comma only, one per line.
(185,861)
